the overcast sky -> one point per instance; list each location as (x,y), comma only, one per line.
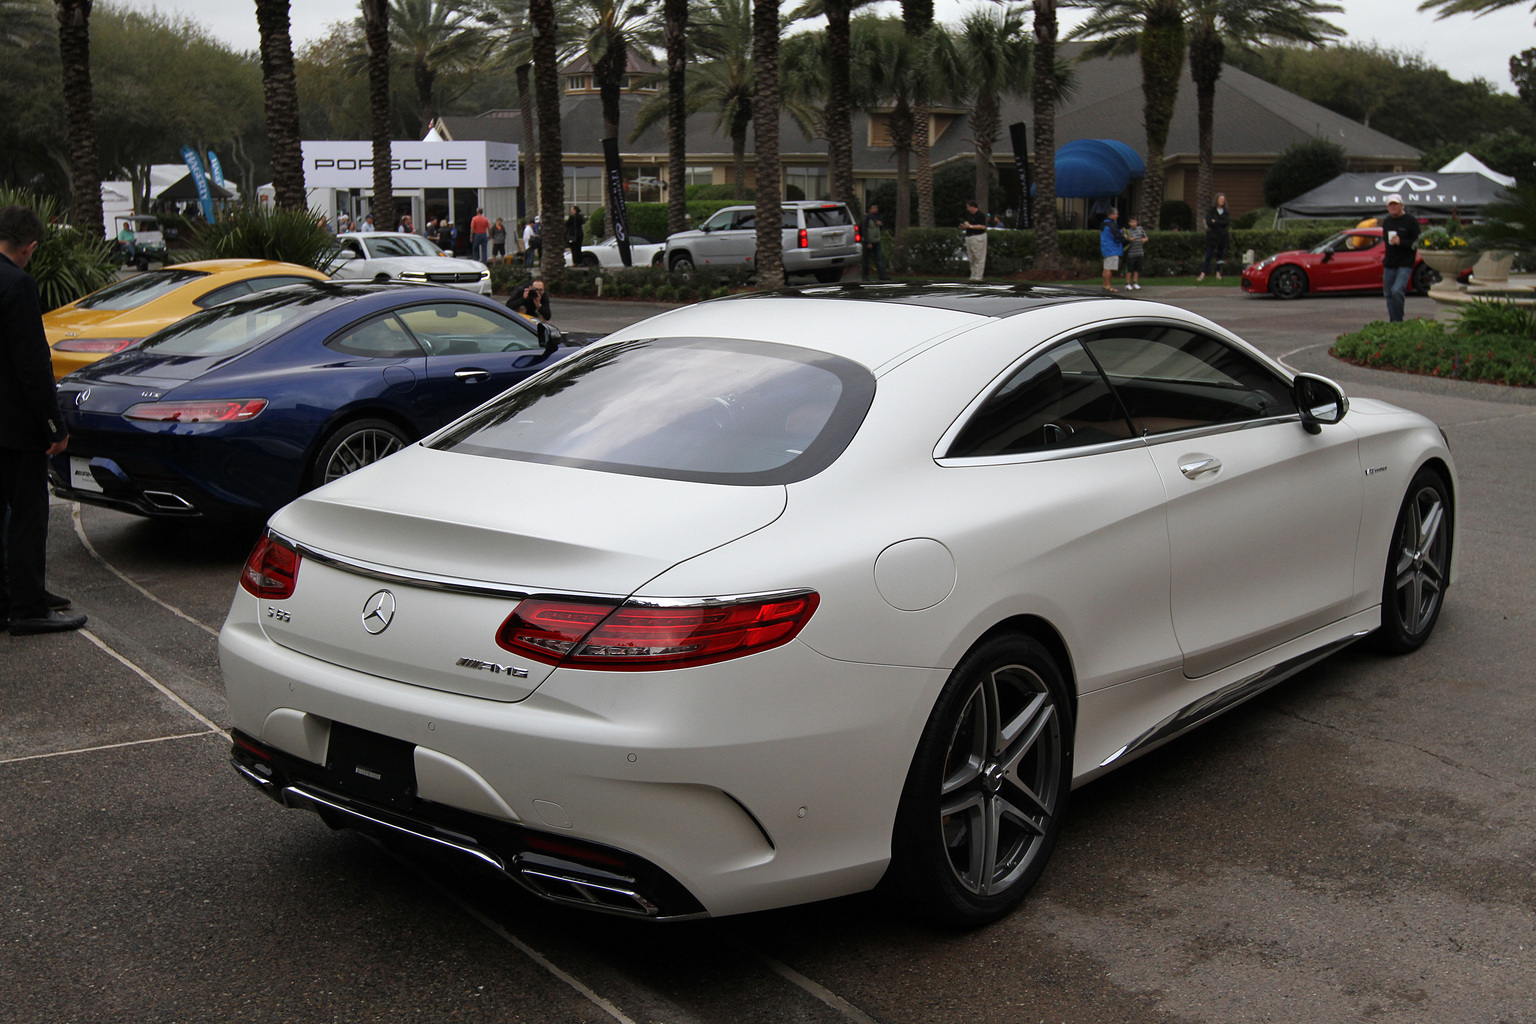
(1466,47)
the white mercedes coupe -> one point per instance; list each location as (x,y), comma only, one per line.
(786,596)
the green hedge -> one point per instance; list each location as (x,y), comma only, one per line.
(651,284)
(1428,347)
(649,220)
(1169,253)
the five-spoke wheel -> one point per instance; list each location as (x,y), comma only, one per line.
(1418,565)
(1288,282)
(985,796)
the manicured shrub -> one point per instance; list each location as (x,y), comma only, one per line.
(1430,348)
(251,232)
(67,265)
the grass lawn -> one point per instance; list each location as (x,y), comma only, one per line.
(1429,348)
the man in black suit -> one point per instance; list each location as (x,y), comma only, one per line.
(30,431)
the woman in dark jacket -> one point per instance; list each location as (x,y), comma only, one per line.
(1218,222)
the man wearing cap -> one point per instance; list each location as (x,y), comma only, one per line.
(1401,232)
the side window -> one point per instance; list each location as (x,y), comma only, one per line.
(223,294)
(790,220)
(383,337)
(454,329)
(1359,243)
(1056,400)
(744,219)
(1170,378)
(718,221)
(355,247)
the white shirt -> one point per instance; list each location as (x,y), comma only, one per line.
(528,235)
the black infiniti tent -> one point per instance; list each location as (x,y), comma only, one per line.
(1425,194)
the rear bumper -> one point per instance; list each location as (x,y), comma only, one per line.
(551,867)
(803,261)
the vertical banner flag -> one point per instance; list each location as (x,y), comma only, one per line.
(215,169)
(204,197)
(1018,132)
(615,173)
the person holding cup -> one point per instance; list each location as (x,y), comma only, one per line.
(1400,232)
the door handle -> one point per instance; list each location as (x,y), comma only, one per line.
(1199,466)
(472,375)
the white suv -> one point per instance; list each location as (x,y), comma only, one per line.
(820,238)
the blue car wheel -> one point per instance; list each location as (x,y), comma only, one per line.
(354,445)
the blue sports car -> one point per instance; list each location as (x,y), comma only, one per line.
(238,409)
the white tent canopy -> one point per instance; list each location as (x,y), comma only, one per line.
(1469,164)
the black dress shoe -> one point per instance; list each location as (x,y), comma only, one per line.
(53,622)
(54,601)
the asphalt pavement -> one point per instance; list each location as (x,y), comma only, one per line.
(1357,844)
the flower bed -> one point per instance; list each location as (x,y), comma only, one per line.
(1431,348)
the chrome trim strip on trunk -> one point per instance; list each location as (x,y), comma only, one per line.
(1224,699)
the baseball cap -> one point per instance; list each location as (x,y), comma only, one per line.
(1395,197)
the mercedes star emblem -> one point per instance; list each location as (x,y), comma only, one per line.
(378,611)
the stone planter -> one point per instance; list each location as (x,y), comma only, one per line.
(1448,262)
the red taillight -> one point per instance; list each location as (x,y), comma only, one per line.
(106,346)
(272,570)
(856,236)
(231,411)
(805,239)
(638,637)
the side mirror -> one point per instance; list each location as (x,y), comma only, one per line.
(549,337)
(1320,401)
(1328,256)
(345,255)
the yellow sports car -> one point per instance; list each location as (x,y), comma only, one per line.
(122,313)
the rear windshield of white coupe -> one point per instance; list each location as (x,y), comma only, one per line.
(704,409)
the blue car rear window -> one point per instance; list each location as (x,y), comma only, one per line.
(704,409)
(241,323)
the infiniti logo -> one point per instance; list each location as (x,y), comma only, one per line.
(1407,183)
(378,611)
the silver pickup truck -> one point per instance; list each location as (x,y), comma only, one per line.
(820,238)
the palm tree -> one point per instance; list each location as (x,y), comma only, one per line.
(824,68)
(888,65)
(917,20)
(987,59)
(432,36)
(376,36)
(674,14)
(1047,248)
(1476,8)
(546,73)
(1153,29)
(282,104)
(1216,24)
(765,140)
(75,52)
(612,28)
(723,82)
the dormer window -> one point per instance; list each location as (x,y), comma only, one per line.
(578,83)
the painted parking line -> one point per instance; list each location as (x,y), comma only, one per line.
(111,746)
(74,514)
(210,725)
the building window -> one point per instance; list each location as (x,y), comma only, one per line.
(642,184)
(805,182)
(578,83)
(584,188)
(698,176)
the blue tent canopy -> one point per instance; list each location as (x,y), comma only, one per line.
(1096,168)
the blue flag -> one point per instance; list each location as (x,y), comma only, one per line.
(215,169)
(204,197)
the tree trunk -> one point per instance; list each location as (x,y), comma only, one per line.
(282,104)
(765,140)
(1047,248)
(1206,52)
(1162,64)
(528,164)
(984,122)
(424,78)
(546,83)
(838,112)
(376,32)
(922,119)
(739,158)
(901,142)
(74,18)
(610,74)
(675,24)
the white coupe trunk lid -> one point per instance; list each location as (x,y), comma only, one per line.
(455,552)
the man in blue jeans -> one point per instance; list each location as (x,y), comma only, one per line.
(1401,232)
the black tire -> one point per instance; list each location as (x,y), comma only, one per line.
(352,446)
(1425,277)
(997,752)
(589,261)
(1418,565)
(381,279)
(831,276)
(1288,282)
(681,262)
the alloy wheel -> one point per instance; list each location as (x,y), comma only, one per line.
(1420,574)
(359,450)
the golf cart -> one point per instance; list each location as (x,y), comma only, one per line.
(149,240)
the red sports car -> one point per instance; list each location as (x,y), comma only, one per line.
(1348,261)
